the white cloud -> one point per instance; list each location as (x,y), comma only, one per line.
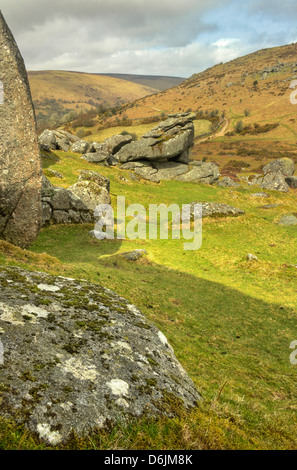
(171,37)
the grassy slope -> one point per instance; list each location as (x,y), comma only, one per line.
(230,327)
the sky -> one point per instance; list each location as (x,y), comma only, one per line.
(147,37)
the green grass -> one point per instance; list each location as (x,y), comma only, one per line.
(229,321)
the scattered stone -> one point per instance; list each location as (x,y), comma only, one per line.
(84,359)
(259,195)
(134,255)
(251,257)
(89,175)
(227,182)
(270,206)
(20,163)
(80,146)
(209,209)
(56,140)
(52,173)
(288,219)
(96,157)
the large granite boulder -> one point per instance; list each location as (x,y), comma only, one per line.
(77,357)
(20,163)
(277,175)
(170,140)
(81,146)
(57,140)
(274,181)
(285,165)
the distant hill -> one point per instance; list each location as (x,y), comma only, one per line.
(57,94)
(154,81)
(252,89)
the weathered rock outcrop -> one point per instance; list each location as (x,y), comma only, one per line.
(103,153)
(197,172)
(76,204)
(170,140)
(277,175)
(90,193)
(227,182)
(272,181)
(20,165)
(285,165)
(57,140)
(209,209)
(78,357)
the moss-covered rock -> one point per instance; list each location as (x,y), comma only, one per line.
(79,357)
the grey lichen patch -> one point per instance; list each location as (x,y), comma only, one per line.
(80,356)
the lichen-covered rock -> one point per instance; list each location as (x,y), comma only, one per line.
(78,357)
(133,255)
(20,163)
(60,206)
(285,165)
(114,143)
(56,140)
(170,170)
(209,209)
(274,181)
(261,195)
(90,193)
(288,219)
(96,157)
(201,172)
(81,146)
(89,175)
(227,182)
(169,140)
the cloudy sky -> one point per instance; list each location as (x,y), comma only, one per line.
(155,37)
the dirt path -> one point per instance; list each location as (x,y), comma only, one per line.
(221,132)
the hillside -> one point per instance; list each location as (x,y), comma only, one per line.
(253,88)
(58,93)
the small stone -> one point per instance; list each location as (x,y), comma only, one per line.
(251,257)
